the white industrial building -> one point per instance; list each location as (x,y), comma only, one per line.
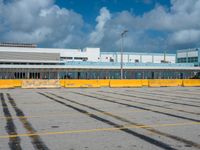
(26,61)
(87,54)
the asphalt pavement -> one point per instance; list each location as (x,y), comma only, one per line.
(100,119)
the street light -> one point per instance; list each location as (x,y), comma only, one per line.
(122,44)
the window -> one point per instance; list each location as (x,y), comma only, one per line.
(192,59)
(111,59)
(81,58)
(164,61)
(181,60)
(66,58)
(136,61)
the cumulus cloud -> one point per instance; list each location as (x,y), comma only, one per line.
(40,22)
(157,30)
(97,35)
(188,38)
(45,23)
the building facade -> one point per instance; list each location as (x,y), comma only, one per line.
(87,54)
(26,61)
(189,56)
(132,57)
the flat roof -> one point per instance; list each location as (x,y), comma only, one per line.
(188,50)
(60,67)
(138,53)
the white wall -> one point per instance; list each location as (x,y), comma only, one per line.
(187,53)
(158,59)
(132,58)
(193,54)
(94,55)
(143,58)
(125,58)
(171,59)
(181,54)
(106,58)
(147,58)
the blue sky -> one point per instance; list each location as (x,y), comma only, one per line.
(90,8)
(153,25)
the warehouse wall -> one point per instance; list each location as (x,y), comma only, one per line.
(29,56)
(137,57)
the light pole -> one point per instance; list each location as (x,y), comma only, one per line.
(122,46)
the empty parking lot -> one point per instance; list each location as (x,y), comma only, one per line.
(100,118)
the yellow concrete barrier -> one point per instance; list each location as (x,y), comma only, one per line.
(81,83)
(154,83)
(40,83)
(126,83)
(104,82)
(72,84)
(191,82)
(145,82)
(10,83)
(62,82)
(17,83)
(6,84)
(165,82)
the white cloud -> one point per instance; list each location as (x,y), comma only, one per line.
(190,38)
(97,35)
(39,35)
(47,24)
(40,22)
(159,29)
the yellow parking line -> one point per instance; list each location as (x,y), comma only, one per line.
(99,129)
(67,114)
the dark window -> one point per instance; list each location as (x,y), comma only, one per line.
(181,60)
(68,58)
(81,58)
(111,59)
(192,59)
(136,61)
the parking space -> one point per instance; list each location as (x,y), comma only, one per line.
(100,118)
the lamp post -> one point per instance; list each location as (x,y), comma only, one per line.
(122,46)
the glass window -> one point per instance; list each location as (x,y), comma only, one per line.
(192,59)
(181,60)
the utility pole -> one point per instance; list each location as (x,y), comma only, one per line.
(122,47)
(165,57)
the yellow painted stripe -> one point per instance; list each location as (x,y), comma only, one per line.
(99,129)
(68,114)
